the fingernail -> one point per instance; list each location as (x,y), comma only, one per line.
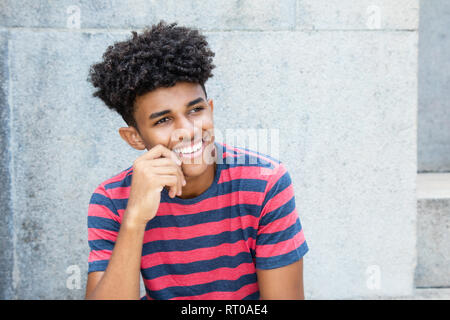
(184,182)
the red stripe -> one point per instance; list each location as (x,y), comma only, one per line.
(244,172)
(199,230)
(251,153)
(228,154)
(174,257)
(101,234)
(96,255)
(222,295)
(98,210)
(280,224)
(193,279)
(118,177)
(278,200)
(213,203)
(283,247)
(277,172)
(119,193)
(101,190)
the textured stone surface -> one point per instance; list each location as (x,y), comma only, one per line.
(6,230)
(421,294)
(359,15)
(433,243)
(344,104)
(434,87)
(114,14)
(64,144)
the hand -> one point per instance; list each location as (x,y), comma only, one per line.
(155,169)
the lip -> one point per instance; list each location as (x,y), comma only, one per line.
(195,154)
(182,146)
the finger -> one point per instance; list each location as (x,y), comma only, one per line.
(171,169)
(166,170)
(162,162)
(170,181)
(159,151)
(181,180)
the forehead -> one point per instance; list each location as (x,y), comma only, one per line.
(168,98)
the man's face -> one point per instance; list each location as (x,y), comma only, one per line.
(178,117)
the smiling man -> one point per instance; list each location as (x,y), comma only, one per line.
(192,223)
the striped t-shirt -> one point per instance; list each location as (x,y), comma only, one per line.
(208,247)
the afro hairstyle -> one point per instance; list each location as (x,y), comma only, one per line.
(160,56)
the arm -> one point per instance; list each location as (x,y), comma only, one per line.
(285,283)
(152,171)
(120,280)
(280,242)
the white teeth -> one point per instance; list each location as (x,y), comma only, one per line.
(189,150)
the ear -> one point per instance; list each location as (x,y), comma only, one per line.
(132,137)
(211,104)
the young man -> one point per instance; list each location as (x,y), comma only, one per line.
(194,224)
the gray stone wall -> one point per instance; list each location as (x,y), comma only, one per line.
(434,87)
(337,79)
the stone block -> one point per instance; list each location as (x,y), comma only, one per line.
(357,15)
(136,14)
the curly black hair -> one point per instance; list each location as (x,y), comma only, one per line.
(160,56)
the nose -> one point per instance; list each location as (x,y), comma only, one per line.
(186,131)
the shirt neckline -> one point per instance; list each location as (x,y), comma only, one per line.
(208,192)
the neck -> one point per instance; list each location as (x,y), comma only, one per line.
(197,185)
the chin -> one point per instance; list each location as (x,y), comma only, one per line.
(193,167)
(193,170)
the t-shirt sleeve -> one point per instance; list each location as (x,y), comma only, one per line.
(103,227)
(280,240)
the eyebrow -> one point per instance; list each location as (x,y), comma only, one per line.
(161,113)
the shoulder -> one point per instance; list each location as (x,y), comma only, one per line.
(109,199)
(116,182)
(244,161)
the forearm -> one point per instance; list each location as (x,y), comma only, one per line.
(122,276)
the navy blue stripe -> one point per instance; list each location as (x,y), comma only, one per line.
(283,182)
(242,150)
(260,154)
(282,259)
(197,266)
(278,213)
(253,296)
(198,242)
(104,201)
(283,235)
(255,185)
(101,244)
(126,182)
(247,160)
(195,290)
(103,223)
(99,265)
(186,220)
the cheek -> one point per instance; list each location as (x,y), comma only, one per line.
(157,137)
(207,121)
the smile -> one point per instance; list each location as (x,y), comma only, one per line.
(191,151)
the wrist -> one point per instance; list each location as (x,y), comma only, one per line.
(132,220)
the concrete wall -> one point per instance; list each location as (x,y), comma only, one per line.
(338,79)
(434,87)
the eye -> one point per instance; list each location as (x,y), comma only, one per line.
(198,108)
(160,121)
